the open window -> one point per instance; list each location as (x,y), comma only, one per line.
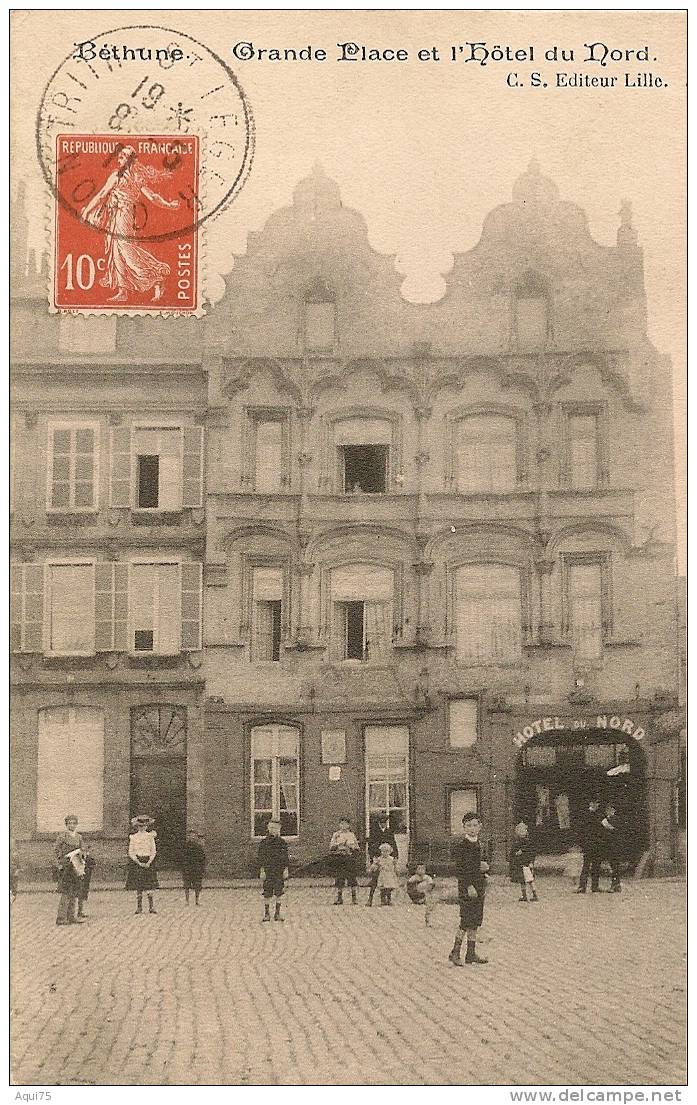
(362,606)
(157,467)
(363,455)
(267,602)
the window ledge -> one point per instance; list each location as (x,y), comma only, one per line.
(556,643)
(305,645)
(55,517)
(622,642)
(158,517)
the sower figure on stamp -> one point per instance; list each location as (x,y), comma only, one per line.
(591,846)
(67,845)
(471,871)
(273,869)
(115,209)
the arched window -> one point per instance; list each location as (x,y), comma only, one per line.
(275,789)
(488,613)
(531,321)
(485,453)
(319,329)
(70,768)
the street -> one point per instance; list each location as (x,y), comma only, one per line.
(579,989)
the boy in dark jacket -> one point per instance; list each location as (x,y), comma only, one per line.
(273,869)
(591,846)
(522,862)
(471,870)
(194,866)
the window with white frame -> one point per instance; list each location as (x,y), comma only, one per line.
(275,778)
(585,604)
(461,801)
(70,608)
(73,457)
(387,776)
(157,467)
(70,768)
(582,431)
(463,722)
(488,613)
(486,453)
(267,601)
(27,607)
(362,611)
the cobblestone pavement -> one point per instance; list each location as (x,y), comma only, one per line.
(578,990)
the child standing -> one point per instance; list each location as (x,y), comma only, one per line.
(142,851)
(83,892)
(194,865)
(471,870)
(386,869)
(522,862)
(66,845)
(420,888)
(273,868)
(344,848)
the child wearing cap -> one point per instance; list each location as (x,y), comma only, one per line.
(471,871)
(142,851)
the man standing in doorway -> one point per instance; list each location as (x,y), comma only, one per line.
(591,846)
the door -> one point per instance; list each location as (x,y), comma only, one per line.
(158,776)
(387,782)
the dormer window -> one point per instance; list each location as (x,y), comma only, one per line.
(531,321)
(319,330)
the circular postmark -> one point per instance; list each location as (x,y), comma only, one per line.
(146,80)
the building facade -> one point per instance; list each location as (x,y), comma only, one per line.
(329,552)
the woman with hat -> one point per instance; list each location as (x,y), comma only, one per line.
(141,859)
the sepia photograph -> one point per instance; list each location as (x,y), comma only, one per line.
(347,496)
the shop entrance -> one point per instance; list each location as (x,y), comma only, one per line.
(557,776)
(158,776)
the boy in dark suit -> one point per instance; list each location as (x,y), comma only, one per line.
(471,870)
(273,869)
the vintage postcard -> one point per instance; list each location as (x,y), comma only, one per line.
(347,550)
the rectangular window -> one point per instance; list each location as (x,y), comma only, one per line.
(70,768)
(364,468)
(27,607)
(362,611)
(463,800)
(275,778)
(267,601)
(268,456)
(463,722)
(155,608)
(387,776)
(531,323)
(486,454)
(319,327)
(70,609)
(488,613)
(585,609)
(158,459)
(583,449)
(73,466)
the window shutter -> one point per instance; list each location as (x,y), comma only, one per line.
(121,467)
(191,601)
(103,607)
(192,466)
(33,615)
(120,607)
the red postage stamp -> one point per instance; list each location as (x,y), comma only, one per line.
(126,223)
